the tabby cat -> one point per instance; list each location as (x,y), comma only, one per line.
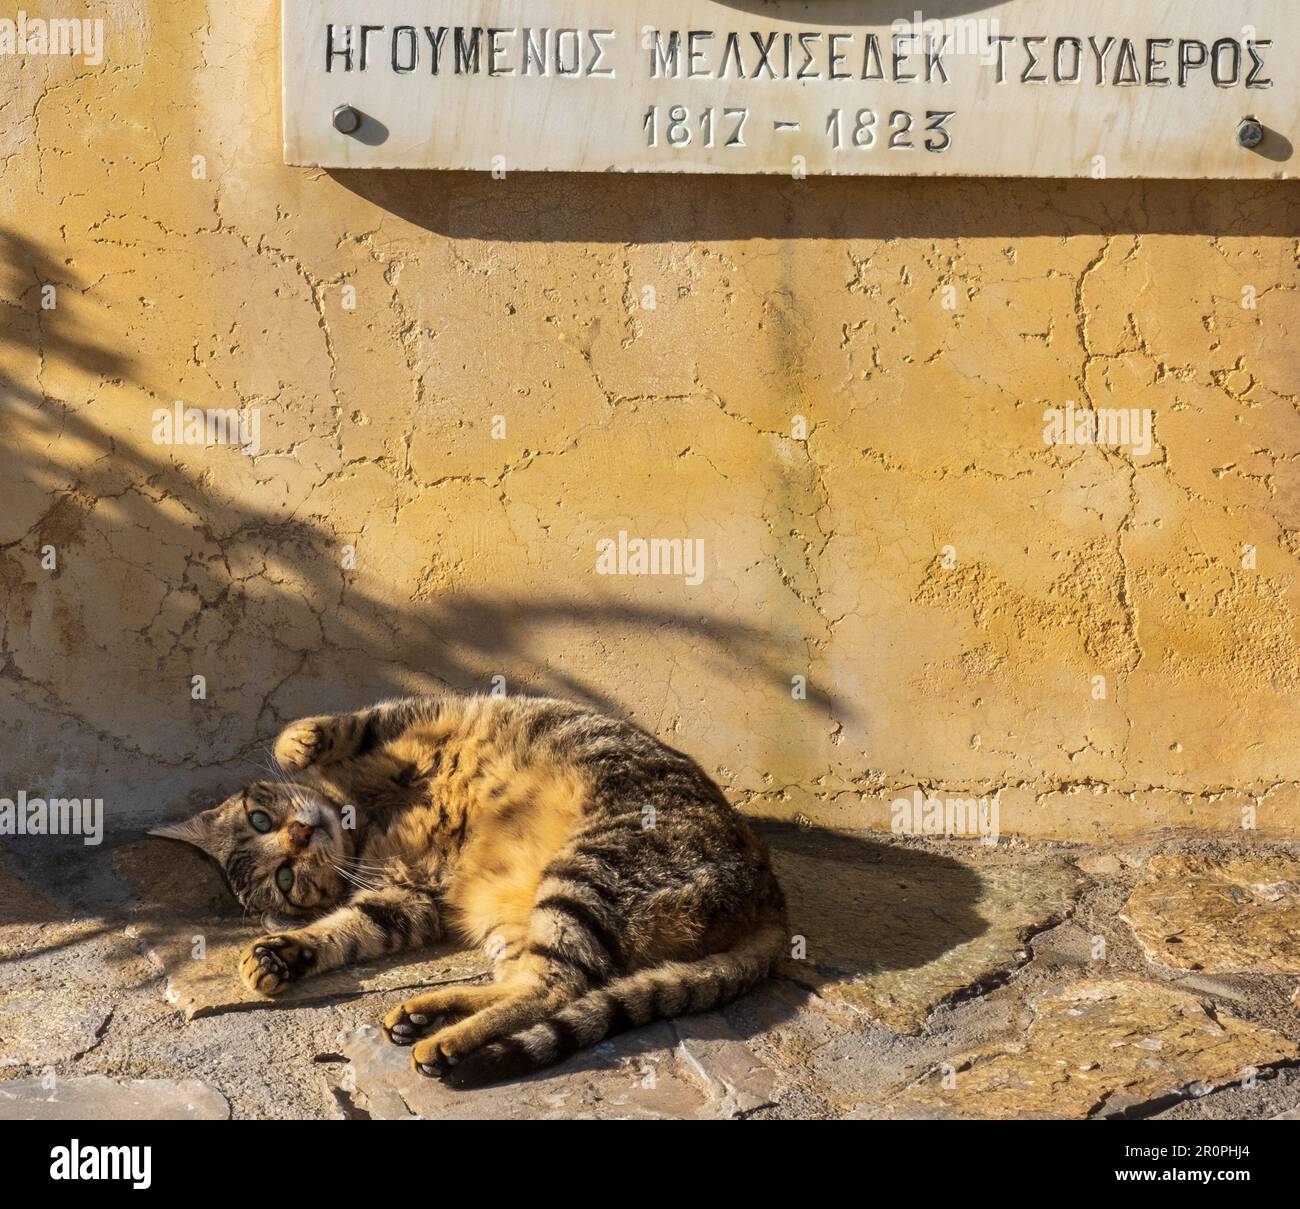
(606,874)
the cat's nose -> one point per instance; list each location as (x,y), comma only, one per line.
(300,834)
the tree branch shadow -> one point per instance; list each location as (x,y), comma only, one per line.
(230,545)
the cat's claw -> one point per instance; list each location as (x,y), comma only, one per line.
(268,965)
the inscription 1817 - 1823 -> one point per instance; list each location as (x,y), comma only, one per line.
(1175,88)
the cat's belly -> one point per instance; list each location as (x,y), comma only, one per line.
(507,847)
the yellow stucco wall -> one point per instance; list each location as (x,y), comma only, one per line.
(524,298)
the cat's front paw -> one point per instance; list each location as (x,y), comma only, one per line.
(268,965)
(302,743)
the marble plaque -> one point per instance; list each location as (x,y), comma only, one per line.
(1057,88)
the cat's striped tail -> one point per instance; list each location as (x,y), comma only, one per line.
(675,988)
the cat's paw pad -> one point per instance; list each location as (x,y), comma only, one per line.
(301,744)
(406,1028)
(491,1063)
(268,965)
(434,1059)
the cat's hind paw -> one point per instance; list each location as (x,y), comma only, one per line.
(406,1028)
(431,1060)
(418,1016)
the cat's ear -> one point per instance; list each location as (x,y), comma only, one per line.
(202,830)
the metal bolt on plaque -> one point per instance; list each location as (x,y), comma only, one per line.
(1250,133)
(347,120)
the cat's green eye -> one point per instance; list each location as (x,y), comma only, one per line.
(261,821)
(284,878)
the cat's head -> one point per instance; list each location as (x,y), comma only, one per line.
(280,846)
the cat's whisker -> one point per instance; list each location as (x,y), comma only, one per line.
(268,765)
(378,866)
(352,876)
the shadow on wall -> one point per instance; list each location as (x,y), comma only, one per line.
(636,208)
(251,576)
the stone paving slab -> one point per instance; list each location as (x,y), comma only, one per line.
(98,1098)
(41,1027)
(1096,1048)
(696,1069)
(181,897)
(54,1003)
(732,1076)
(1220,915)
(894,931)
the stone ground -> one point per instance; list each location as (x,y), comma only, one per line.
(927,979)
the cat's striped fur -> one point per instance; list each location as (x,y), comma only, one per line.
(607,874)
